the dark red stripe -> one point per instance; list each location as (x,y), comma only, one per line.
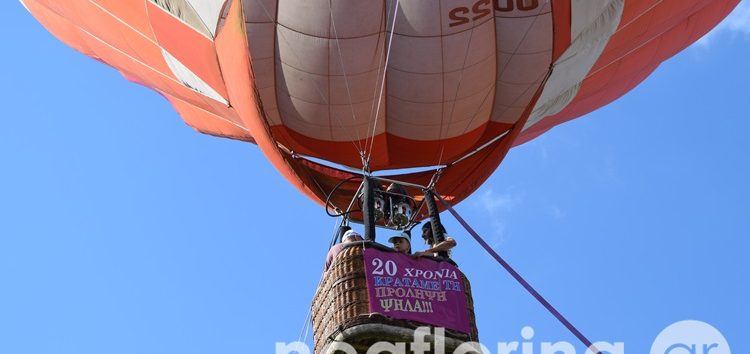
(561,19)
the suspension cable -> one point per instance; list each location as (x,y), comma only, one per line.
(280,34)
(306,325)
(520,279)
(382,84)
(346,77)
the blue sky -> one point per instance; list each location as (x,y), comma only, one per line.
(124,231)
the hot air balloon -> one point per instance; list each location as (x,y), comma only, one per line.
(382,85)
(347,98)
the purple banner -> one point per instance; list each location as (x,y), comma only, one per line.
(422,290)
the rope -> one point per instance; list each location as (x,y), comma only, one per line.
(335,234)
(299,58)
(489,92)
(306,326)
(346,77)
(305,329)
(520,279)
(382,84)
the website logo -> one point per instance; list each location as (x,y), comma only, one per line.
(690,337)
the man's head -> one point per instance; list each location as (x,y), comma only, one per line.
(427,233)
(401,242)
(351,236)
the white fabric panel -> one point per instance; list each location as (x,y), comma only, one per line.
(339,95)
(524,44)
(585,12)
(261,38)
(268,105)
(593,25)
(359,54)
(352,18)
(416,54)
(190,80)
(303,52)
(264,69)
(468,113)
(260,24)
(311,64)
(355,18)
(183,10)
(209,12)
(319,94)
(259,11)
(305,118)
(444,78)
(439,76)
(418,18)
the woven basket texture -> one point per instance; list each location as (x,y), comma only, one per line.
(342,301)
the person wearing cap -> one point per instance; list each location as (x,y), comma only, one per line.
(441,249)
(349,237)
(401,242)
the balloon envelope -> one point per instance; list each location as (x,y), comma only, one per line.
(382,84)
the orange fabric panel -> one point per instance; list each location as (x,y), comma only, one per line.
(146,78)
(231,46)
(63,8)
(147,52)
(632,54)
(176,88)
(145,74)
(207,122)
(133,12)
(199,56)
(92,19)
(645,28)
(135,34)
(111,55)
(58,26)
(108,29)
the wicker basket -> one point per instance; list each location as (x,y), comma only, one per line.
(340,309)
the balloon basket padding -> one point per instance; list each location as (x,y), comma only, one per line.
(341,309)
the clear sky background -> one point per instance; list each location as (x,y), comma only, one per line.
(122,230)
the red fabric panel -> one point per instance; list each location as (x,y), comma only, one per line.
(402,152)
(456,183)
(199,56)
(562,18)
